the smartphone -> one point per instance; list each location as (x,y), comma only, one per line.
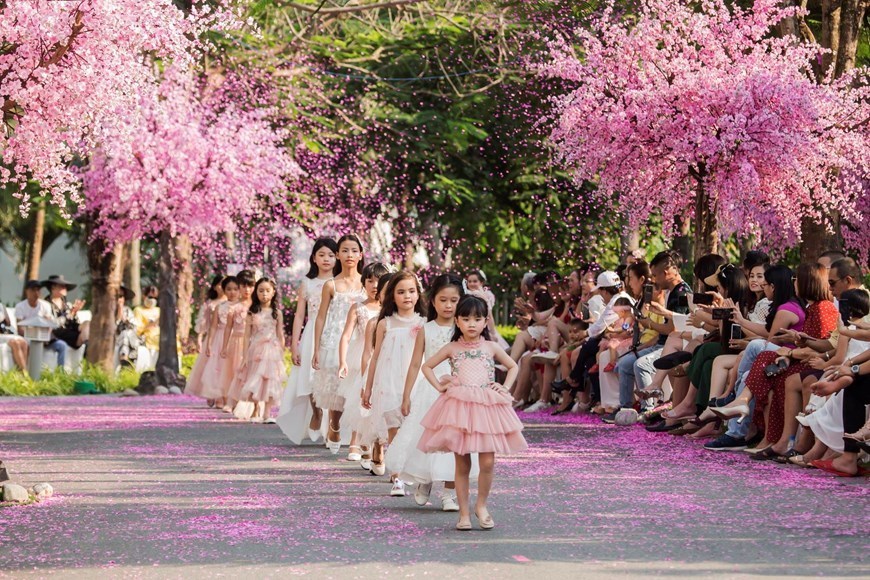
(845,311)
(736,332)
(722,313)
(647,293)
(702,298)
(774,369)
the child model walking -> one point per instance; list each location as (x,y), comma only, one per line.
(398,324)
(232,350)
(337,297)
(298,416)
(403,457)
(263,366)
(350,351)
(473,413)
(205,378)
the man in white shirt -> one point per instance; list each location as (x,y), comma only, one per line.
(33,306)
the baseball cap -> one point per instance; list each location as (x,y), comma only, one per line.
(607,279)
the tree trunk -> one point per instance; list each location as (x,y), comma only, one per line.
(133,270)
(105,263)
(706,232)
(184,267)
(629,240)
(830,32)
(851,19)
(682,243)
(35,258)
(167,358)
(816,237)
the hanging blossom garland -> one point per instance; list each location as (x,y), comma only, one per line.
(66,68)
(701,92)
(190,170)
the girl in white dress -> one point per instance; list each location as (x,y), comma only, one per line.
(398,324)
(350,352)
(403,457)
(338,295)
(298,415)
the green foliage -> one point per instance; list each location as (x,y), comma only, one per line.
(187,362)
(57,382)
(509,333)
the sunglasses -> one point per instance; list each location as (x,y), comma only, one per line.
(833,281)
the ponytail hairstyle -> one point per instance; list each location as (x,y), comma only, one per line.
(362,260)
(313,270)
(389,307)
(217,280)
(256,306)
(440,283)
(471,305)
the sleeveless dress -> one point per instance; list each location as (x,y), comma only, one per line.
(296,409)
(231,364)
(353,384)
(205,377)
(471,416)
(264,373)
(326,385)
(389,380)
(403,457)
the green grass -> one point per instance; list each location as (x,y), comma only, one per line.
(57,382)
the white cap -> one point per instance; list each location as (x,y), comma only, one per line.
(607,279)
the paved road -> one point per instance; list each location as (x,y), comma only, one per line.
(161,487)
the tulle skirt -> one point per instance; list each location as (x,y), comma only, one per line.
(296,411)
(826,422)
(468,419)
(326,385)
(264,375)
(230,386)
(403,456)
(213,368)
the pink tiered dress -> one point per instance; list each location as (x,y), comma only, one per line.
(471,416)
(263,373)
(196,386)
(214,364)
(229,387)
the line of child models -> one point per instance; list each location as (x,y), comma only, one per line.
(357,380)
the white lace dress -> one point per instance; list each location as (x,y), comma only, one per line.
(326,386)
(353,384)
(403,457)
(296,409)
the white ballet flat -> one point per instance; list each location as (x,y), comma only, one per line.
(379,469)
(366,464)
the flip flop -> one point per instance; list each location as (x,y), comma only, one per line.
(827,465)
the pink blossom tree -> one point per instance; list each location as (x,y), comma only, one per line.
(67,66)
(183,163)
(694,109)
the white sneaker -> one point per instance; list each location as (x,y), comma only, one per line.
(398,489)
(539,406)
(448,504)
(421,494)
(542,358)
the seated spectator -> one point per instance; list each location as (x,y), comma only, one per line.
(126,338)
(146,318)
(32,307)
(16,344)
(69,329)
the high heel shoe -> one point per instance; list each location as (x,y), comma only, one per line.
(708,416)
(862,434)
(333,446)
(740,412)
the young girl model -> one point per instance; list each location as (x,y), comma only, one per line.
(403,457)
(357,418)
(298,416)
(203,319)
(205,378)
(350,350)
(473,413)
(232,350)
(263,366)
(338,294)
(398,324)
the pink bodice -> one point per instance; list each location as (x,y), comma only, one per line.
(473,367)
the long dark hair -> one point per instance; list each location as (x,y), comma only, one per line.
(471,305)
(440,283)
(313,270)
(229,280)
(217,280)
(706,266)
(388,307)
(779,277)
(735,284)
(256,306)
(362,260)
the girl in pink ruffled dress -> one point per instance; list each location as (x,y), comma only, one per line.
(263,372)
(232,350)
(473,413)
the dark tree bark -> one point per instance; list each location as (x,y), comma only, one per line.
(105,263)
(706,231)
(167,358)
